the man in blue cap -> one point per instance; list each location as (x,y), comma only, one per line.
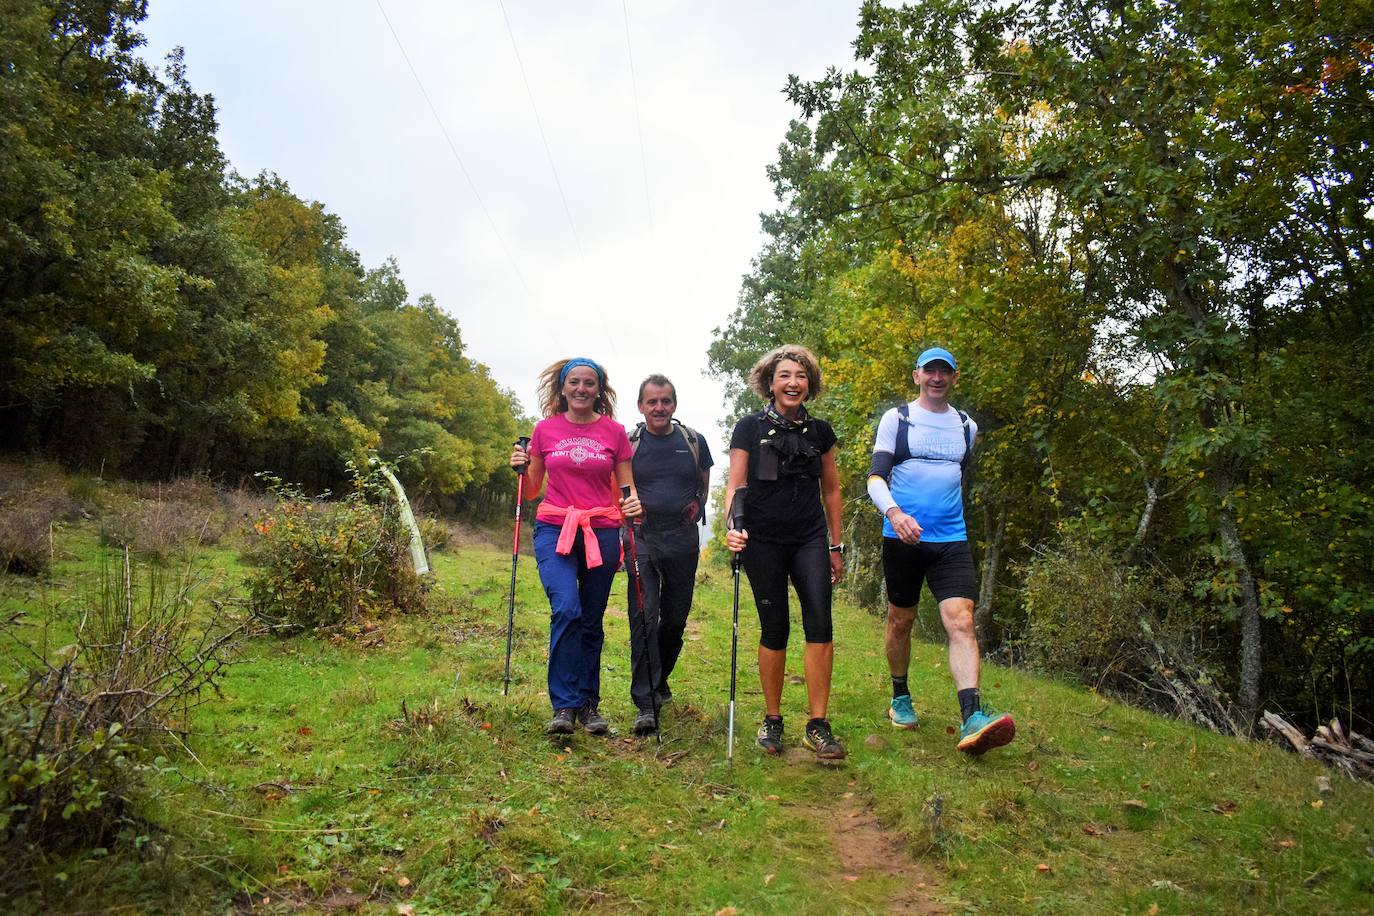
(916,481)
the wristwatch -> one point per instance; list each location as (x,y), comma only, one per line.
(837,548)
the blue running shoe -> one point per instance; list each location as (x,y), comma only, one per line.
(901,713)
(983,732)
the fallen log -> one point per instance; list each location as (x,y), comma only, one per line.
(1278,723)
(1334,745)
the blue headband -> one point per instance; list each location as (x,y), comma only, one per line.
(580,361)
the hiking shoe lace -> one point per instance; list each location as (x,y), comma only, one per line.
(901,713)
(770,735)
(593,721)
(820,739)
(984,731)
(564,721)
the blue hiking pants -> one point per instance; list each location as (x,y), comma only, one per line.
(577,603)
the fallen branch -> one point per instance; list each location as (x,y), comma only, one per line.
(1334,745)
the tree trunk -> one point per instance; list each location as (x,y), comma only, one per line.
(1250,631)
(992,558)
(1181,295)
(1146,517)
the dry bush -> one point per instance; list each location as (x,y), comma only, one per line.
(160,529)
(1129,630)
(243,505)
(85,719)
(437,533)
(195,490)
(461,534)
(26,538)
(33,501)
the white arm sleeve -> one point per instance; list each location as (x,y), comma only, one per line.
(884,444)
(880,494)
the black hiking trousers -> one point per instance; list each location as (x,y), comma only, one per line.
(668,585)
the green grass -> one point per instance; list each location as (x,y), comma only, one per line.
(307,788)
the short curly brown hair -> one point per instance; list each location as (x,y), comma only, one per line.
(761,376)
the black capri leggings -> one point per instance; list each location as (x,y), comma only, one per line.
(769,566)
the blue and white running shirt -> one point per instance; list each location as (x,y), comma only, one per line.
(928,485)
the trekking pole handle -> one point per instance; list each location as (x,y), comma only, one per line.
(634,522)
(524,443)
(737,509)
(737,523)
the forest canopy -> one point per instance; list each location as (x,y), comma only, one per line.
(1145,230)
(161,315)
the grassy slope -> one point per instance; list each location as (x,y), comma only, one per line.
(309,790)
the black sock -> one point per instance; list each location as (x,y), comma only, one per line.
(899,688)
(969,702)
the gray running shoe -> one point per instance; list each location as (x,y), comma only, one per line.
(563,723)
(820,739)
(645,723)
(593,721)
(770,735)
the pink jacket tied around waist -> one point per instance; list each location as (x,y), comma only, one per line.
(575,520)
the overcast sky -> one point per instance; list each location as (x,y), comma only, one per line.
(630,272)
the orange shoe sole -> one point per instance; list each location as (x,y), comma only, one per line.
(996,733)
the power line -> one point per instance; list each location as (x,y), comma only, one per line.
(643,160)
(639,122)
(515,266)
(553,169)
(529,93)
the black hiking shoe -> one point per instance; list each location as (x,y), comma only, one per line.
(820,739)
(592,720)
(564,721)
(770,735)
(664,695)
(646,723)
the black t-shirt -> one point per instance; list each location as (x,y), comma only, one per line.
(787,508)
(666,479)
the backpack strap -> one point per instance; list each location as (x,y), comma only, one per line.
(689,435)
(968,441)
(901,449)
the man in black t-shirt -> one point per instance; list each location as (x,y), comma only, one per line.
(672,471)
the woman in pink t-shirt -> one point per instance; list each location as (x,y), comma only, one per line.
(585,455)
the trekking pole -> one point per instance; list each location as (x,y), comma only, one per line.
(524,443)
(737,523)
(643,620)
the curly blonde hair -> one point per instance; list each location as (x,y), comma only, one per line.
(761,376)
(551,400)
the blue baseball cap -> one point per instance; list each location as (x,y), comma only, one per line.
(935,353)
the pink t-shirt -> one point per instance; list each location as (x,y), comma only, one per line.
(579,463)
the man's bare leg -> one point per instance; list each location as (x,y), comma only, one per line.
(897,641)
(957,616)
(898,638)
